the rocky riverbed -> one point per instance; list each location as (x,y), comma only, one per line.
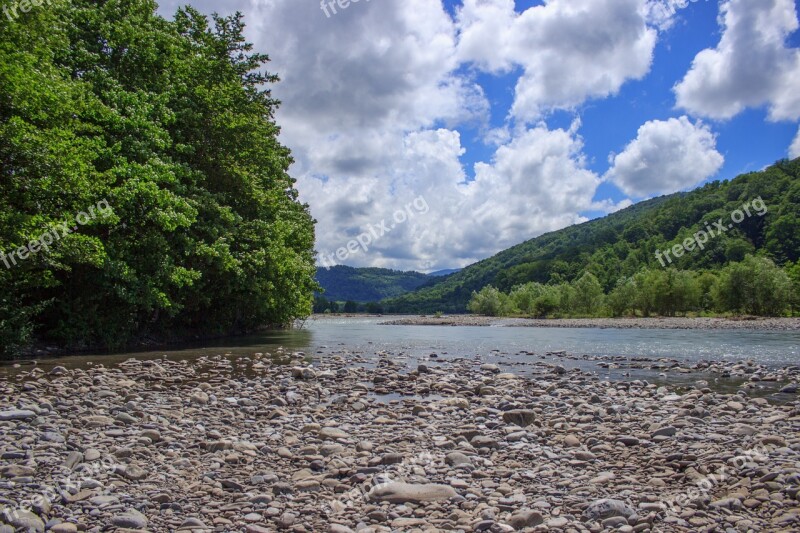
(243,444)
(743,323)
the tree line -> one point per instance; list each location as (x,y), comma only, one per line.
(753,286)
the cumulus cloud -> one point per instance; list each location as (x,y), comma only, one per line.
(537,182)
(666,156)
(569,50)
(373,99)
(794,150)
(750,67)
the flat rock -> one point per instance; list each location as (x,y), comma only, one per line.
(525,518)
(457,458)
(26,520)
(132,519)
(520,417)
(407,492)
(608,508)
(332,434)
(16,414)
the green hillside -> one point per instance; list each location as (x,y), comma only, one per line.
(341,283)
(620,245)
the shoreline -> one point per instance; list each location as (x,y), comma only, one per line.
(339,447)
(747,323)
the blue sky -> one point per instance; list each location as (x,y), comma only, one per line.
(748,141)
(510,119)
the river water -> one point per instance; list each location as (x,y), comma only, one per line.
(508,347)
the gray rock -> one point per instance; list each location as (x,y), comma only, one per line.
(190,523)
(457,458)
(666,431)
(332,434)
(521,417)
(16,414)
(132,519)
(482,441)
(133,472)
(407,492)
(338,528)
(608,508)
(26,520)
(525,518)
(628,440)
(303,372)
(287,520)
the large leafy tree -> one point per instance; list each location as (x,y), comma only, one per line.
(172,123)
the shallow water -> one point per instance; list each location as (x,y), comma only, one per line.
(512,348)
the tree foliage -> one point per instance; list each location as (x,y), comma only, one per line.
(171,124)
(753,286)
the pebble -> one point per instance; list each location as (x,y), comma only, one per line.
(376,443)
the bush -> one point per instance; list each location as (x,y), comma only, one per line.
(489,302)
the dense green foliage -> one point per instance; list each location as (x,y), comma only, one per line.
(341,283)
(755,286)
(618,247)
(168,122)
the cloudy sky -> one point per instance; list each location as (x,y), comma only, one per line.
(507,119)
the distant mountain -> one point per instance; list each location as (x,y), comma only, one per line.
(621,244)
(343,283)
(442,273)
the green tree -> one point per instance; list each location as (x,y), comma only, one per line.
(588,296)
(172,124)
(489,302)
(646,281)
(622,298)
(793,271)
(675,291)
(755,286)
(523,297)
(548,302)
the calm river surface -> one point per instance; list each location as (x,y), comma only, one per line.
(365,337)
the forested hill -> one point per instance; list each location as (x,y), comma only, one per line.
(341,283)
(621,244)
(144,193)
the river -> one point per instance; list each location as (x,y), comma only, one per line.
(508,347)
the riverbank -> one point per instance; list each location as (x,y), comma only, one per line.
(242,444)
(747,323)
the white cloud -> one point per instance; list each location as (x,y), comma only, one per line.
(663,13)
(536,183)
(750,67)
(666,156)
(794,150)
(373,97)
(569,50)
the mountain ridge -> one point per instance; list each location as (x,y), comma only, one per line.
(622,242)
